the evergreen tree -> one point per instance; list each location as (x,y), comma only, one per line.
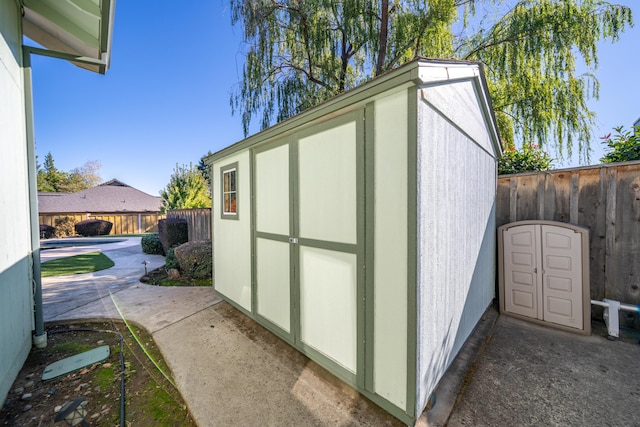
(50,179)
(204,170)
(186,189)
(301,53)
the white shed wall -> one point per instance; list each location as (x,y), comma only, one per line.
(456,232)
(16,315)
(390,253)
(460,103)
(232,242)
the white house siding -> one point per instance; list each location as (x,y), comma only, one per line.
(456,226)
(232,242)
(16,316)
(390,263)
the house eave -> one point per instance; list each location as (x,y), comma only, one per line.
(78,31)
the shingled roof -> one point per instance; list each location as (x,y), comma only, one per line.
(111,196)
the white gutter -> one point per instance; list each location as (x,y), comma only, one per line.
(40,336)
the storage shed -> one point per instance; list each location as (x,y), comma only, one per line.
(362,231)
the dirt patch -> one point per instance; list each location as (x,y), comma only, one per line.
(149,396)
(159,277)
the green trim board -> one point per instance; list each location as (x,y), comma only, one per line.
(294,250)
(412,256)
(369,244)
(361,301)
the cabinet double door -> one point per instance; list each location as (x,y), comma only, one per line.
(306,210)
(543,266)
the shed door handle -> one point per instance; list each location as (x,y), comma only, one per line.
(293,240)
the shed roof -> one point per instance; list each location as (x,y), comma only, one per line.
(80,29)
(112,196)
(421,71)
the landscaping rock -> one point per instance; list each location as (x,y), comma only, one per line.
(173,274)
(195,258)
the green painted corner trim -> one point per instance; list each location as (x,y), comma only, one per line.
(412,249)
(361,253)
(369,244)
(294,250)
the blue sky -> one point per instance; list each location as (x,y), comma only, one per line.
(165,100)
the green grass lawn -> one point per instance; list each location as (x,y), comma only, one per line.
(78,264)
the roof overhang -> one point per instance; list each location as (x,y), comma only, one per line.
(76,30)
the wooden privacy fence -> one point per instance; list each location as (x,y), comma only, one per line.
(199,221)
(129,223)
(603,198)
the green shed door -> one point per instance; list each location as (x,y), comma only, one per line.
(309,198)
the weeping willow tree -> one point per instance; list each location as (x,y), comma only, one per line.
(302,52)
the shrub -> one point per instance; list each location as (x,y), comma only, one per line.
(93,227)
(623,147)
(47,231)
(530,158)
(65,226)
(170,260)
(195,258)
(151,244)
(173,232)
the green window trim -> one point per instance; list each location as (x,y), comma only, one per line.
(229,200)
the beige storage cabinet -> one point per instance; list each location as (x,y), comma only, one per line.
(544,273)
(362,230)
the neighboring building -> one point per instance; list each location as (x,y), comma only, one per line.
(68,29)
(637,123)
(129,209)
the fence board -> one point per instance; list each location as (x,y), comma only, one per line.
(198,220)
(527,197)
(603,198)
(626,262)
(502,203)
(122,223)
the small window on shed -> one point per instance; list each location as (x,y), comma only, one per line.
(229,191)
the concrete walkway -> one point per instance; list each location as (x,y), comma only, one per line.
(230,370)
